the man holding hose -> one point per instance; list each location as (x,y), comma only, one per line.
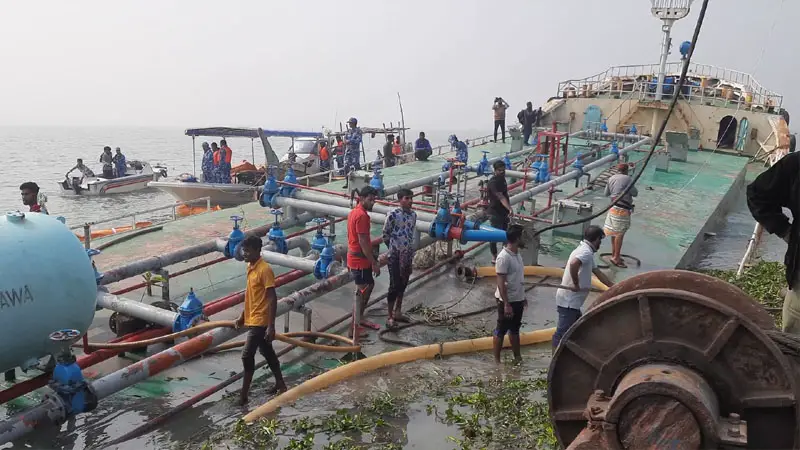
(260,307)
(578,278)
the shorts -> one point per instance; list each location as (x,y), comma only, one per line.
(362,276)
(256,340)
(510,325)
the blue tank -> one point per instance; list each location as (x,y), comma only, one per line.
(47,284)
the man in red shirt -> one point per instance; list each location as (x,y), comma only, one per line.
(30,197)
(360,259)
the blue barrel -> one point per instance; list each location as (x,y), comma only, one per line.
(47,284)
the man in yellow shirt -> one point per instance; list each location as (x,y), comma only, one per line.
(260,306)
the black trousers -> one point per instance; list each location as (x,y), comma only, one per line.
(502,125)
(257,339)
(399,275)
(500,222)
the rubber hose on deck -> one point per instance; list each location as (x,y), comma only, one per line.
(205,326)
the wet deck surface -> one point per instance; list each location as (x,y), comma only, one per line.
(671,211)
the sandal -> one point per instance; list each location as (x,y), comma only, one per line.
(621,264)
(390,324)
(368,324)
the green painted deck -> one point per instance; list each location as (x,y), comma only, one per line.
(673,211)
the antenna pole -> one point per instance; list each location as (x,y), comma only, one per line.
(402,119)
(668,11)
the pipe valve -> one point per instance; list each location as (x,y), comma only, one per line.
(234,239)
(276,233)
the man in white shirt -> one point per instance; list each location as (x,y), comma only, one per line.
(510,294)
(578,277)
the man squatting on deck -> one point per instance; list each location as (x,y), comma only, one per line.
(361,260)
(260,307)
(618,219)
(776,188)
(398,235)
(510,293)
(578,277)
(499,206)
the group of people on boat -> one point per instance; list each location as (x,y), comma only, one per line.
(114,165)
(216,164)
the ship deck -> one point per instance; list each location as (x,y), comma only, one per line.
(675,213)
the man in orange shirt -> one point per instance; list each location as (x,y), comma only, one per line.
(360,259)
(260,306)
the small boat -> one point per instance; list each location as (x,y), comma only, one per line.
(246,178)
(140,173)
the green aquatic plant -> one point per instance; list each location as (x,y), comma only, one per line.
(764,281)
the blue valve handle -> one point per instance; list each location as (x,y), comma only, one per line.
(486,152)
(236,220)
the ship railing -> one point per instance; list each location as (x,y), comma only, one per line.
(408,156)
(87,227)
(730,85)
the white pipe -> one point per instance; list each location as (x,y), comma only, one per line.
(522,196)
(752,244)
(292,262)
(339,211)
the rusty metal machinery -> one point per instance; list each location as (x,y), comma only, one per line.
(674,359)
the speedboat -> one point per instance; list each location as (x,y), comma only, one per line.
(139,174)
(247,179)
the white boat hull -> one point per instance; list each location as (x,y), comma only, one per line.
(94,186)
(221,194)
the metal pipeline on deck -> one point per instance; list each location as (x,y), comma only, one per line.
(431,178)
(340,211)
(167,259)
(571,175)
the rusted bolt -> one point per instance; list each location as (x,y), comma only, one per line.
(595,410)
(733,431)
(734,418)
(599,395)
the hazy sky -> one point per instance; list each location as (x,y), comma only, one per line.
(302,64)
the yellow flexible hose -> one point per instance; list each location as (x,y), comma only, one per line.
(405,355)
(541,271)
(205,326)
(287,337)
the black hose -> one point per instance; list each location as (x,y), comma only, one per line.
(424,322)
(657,137)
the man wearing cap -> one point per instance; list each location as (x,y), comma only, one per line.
(352,140)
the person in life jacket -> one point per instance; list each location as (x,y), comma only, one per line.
(324,157)
(225,162)
(338,152)
(215,172)
(397,148)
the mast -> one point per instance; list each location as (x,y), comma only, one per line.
(669,11)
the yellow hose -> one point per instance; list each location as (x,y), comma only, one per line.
(389,359)
(541,271)
(205,326)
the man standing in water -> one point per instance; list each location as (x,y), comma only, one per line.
(578,279)
(510,294)
(777,188)
(398,235)
(618,219)
(260,307)
(360,259)
(108,163)
(30,197)
(499,206)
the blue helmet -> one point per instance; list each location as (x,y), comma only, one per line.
(452,139)
(352,120)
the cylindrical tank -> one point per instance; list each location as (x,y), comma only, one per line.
(46,284)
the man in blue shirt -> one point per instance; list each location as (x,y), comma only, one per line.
(398,235)
(352,139)
(422,148)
